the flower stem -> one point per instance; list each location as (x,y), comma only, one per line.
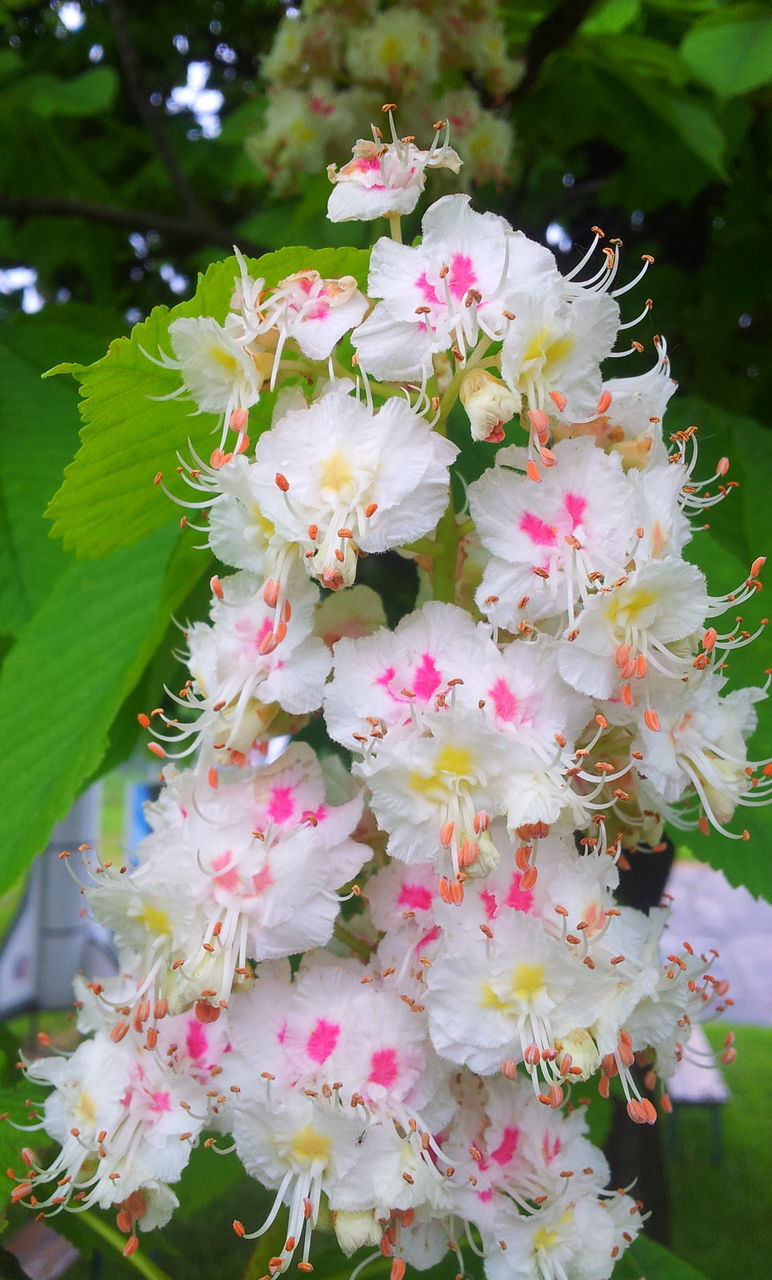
(116,1241)
(357,945)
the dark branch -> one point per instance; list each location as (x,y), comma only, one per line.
(552,33)
(186,231)
(135,80)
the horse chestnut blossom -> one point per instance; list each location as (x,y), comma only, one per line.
(443,864)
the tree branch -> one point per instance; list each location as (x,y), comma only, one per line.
(550,34)
(135,80)
(190,231)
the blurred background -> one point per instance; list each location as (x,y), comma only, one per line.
(140,142)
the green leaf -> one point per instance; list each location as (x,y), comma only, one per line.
(611,17)
(692,122)
(206,1177)
(650,58)
(64,680)
(648,1260)
(108,499)
(731,51)
(740,530)
(45,95)
(38,432)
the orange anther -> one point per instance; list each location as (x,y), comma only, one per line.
(604,400)
(281,482)
(559,400)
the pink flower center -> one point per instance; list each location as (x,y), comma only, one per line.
(507,1147)
(462,275)
(415,896)
(426,678)
(322,1040)
(281,805)
(384,1068)
(196,1040)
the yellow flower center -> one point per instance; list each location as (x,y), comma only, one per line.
(551,352)
(309,1146)
(336,472)
(156,921)
(451,763)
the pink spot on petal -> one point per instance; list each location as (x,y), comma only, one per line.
(575,505)
(540,533)
(550,1149)
(507,1147)
(384,1068)
(196,1040)
(322,1040)
(426,678)
(485,1195)
(415,896)
(519,899)
(161,1102)
(427,289)
(504,699)
(462,275)
(320,311)
(488,900)
(281,805)
(431,936)
(281,1034)
(262,880)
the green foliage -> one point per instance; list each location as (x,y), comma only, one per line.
(731,51)
(45,95)
(739,530)
(647,1260)
(131,432)
(65,679)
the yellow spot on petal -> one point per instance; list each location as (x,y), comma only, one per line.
(156,921)
(550,352)
(624,609)
(527,981)
(451,764)
(310,1146)
(490,999)
(336,473)
(224,359)
(85,1110)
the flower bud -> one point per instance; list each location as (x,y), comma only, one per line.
(354,1229)
(489,404)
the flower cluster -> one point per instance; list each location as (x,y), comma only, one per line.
(448,866)
(330,63)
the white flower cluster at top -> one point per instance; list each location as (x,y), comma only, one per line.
(331,64)
(556,696)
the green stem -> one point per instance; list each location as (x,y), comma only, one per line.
(116,1241)
(395,227)
(445,556)
(449,533)
(357,945)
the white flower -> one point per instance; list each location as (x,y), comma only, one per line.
(450,289)
(337,477)
(551,540)
(555,344)
(384,178)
